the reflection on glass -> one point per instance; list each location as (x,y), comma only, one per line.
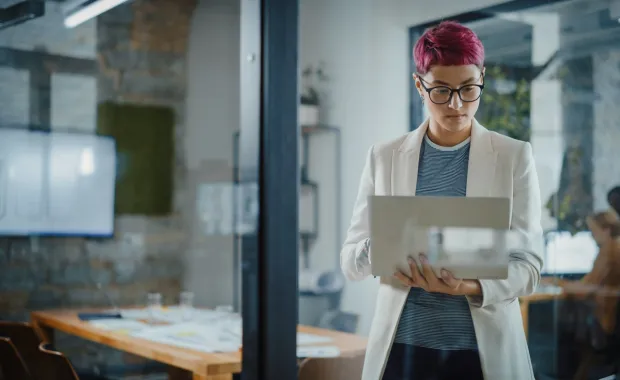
(551,78)
(110,123)
(552,74)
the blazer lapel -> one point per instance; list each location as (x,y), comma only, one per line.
(482,163)
(481,169)
(405,162)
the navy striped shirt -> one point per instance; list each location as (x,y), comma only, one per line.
(437,320)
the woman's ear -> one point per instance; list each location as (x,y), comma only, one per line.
(418,86)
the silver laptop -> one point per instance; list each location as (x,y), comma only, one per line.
(445,229)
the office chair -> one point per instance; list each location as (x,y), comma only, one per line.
(26,342)
(601,349)
(584,350)
(344,367)
(58,363)
(12,365)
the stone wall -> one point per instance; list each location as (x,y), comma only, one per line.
(138,52)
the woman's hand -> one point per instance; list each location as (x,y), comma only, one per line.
(427,280)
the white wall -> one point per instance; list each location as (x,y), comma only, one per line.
(213,81)
(212,118)
(364,44)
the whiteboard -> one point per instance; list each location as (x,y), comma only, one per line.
(56,183)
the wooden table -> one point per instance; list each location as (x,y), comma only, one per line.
(525,301)
(566,288)
(189,363)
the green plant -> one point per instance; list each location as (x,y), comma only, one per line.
(310,94)
(505,110)
(572,203)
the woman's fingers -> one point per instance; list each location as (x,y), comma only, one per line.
(428,273)
(416,276)
(407,281)
(449,279)
(426,278)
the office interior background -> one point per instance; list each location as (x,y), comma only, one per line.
(120,151)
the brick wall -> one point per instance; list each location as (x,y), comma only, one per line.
(139,51)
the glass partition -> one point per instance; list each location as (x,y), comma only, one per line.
(117,168)
(550,77)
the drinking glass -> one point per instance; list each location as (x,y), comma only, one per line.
(154,305)
(186,303)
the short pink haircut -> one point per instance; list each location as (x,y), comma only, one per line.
(448,44)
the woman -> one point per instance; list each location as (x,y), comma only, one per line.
(426,327)
(604,278)
(613,197)
(588,309)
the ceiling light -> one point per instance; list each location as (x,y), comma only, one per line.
(87,9)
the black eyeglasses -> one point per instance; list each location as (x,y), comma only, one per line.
(443,94)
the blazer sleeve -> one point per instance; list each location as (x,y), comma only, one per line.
(525,264)
(354,256)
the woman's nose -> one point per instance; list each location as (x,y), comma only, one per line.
(456,102)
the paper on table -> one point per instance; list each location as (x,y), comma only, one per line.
(135,313)
(198,336)
(303,338)
(208,331)
(119,325)
(318,352)
(193,344)
(176,314)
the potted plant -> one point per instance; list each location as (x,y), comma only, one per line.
(310,99)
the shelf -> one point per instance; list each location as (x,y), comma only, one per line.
(315,129)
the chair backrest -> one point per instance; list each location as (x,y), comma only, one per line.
(26,341)
(11,364)
(58,363)
(339,321)
(343,367)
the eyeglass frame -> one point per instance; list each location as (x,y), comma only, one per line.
(452,90)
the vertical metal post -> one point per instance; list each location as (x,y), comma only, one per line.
(269,163)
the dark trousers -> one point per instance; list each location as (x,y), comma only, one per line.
(408,362)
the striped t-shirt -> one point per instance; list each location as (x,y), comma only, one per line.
(437,320)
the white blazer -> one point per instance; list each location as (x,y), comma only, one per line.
(499,166)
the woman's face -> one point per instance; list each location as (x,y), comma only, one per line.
(455,114)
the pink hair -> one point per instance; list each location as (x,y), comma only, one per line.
(448,44)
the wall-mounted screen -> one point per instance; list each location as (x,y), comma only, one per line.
(56,183)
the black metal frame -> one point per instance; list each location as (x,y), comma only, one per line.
(21,12)
(268,157)
(416,113)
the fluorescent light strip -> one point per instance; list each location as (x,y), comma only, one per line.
(90,10)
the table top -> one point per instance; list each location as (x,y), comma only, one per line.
(549,290)
(202,363)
